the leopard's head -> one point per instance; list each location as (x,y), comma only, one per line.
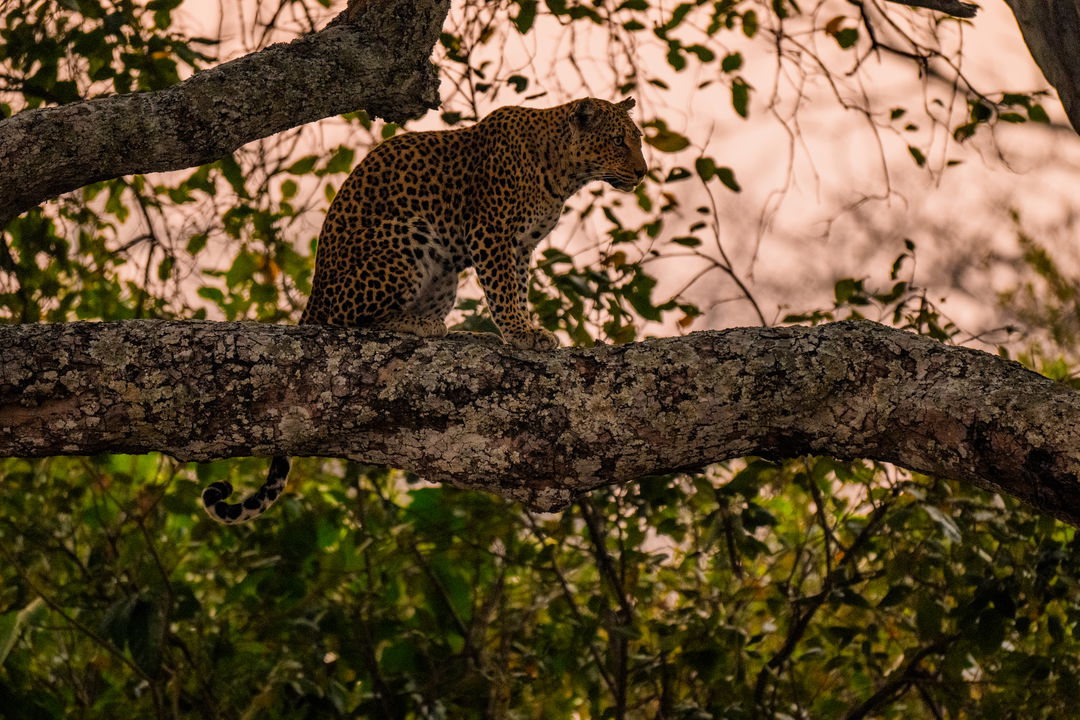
(605,143)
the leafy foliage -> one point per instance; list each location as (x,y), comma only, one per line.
(753,589)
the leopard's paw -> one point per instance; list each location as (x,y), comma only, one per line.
(419,325)
(532,339)
(430,327)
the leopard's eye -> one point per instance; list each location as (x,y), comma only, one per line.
(618,140)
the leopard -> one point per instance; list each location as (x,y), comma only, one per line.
(422,207)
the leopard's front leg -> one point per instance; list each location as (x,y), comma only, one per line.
(503,270)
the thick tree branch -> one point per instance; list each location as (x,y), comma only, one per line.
(375,59)
(540,427)
(1051,30)
(956,8)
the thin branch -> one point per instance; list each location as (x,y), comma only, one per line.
(74,622)
(814,603)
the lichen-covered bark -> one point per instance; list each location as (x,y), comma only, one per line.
(540,427)
(376,59)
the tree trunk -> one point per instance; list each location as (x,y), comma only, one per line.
(374,59)
(540,427)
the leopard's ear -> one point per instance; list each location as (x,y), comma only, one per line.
(584,113)
(627,104)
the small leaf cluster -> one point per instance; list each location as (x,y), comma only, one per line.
(60,52)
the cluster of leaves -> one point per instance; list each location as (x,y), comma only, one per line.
(904,304)
(810,588)
(754,589)
(89,47)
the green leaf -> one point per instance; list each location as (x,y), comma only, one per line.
(1038,114)
(731,62)
(750,23)
(399,658)
(1054,628)
(242,269)
(847,37)
(686,241)
(526,15)
(520,82)
(845,289)
(639,294)
(165,267)
(1021,99)
(980,111)
(212,294)
(928,617)
(196,243)
(703,53)
(916,153)
(302,166)
(675,56)
(340,162)
(705,167)
(990,632)
(740,96)
(896,595)
(677,17)
(963,132)
(232,172)
(667,141)
(727,176)
(144,632)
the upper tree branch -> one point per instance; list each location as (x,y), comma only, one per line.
(1051,30)
(540,427)
(376,60)
(949,7)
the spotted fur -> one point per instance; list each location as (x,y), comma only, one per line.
(424,206)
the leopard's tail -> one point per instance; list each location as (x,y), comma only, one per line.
(215,494)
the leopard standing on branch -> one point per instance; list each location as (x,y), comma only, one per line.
(422,207)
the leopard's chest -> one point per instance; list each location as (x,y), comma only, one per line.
(543,222)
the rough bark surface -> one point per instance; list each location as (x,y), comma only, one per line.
(540,427)
(376,60)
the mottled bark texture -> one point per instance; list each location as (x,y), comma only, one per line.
(540,427)
(1051,30)
(375,59)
